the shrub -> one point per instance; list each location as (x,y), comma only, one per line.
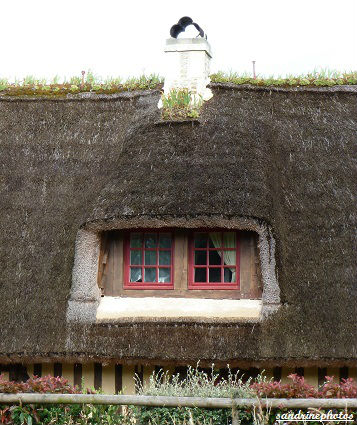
(198,383)
(297,388)
(202,384)
(346,389)
(56,414)
(47,384)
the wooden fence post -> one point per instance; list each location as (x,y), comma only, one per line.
(235,417)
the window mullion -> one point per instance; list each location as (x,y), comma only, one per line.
(157,259)
(207,260)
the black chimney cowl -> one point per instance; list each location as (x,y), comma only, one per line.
(181,27)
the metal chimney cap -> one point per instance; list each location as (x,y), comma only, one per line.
(181,25)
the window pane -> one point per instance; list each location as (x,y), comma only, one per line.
(200,258)
(135,274)
(150,240)
(165,258)
(229,239)
(165,240)
(229,275)
(165,275)
(215,275)
(200,275)
(150,274)
(135,257)
(200,240)
(136,240)
(215,240)
(230,258)
(150,258)
(215,258)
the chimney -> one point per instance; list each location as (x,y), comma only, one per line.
(188,62)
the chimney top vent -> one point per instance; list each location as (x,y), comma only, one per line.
(181,26)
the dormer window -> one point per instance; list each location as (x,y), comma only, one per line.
(148,260)
(207,263)
(178,272)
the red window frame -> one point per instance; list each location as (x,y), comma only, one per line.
(191,270)
(143,249)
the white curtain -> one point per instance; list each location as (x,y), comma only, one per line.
(229,257)
(135,274)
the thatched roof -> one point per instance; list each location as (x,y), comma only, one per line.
(283,157)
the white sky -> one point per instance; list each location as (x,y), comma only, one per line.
(126,38)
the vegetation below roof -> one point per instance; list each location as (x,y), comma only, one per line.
(88,82)
(323,78)
(180,104)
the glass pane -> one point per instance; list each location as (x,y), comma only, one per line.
(165,258)
(215,258)
(200,240)
(150,274)
(215,240)
(135,257)
(135,274)
(229,239)
(136,240)
(150,258)
(165,240)
(200,275)
(229,275)
(200,258)
(165,275)
(215,275)
(230,258)
(150,240)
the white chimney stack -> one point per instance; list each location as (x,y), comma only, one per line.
(188,66)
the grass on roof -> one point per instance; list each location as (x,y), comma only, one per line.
(322,78)
(88,82)
(32,86)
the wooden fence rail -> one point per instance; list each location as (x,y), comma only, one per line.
(142,400)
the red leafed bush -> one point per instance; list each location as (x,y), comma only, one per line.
(47,384)
(297,388)
(346,389)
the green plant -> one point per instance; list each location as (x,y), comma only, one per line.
(39,87)
(92,79)
(180,104)
(197,383)
(75,81)
(4,84)
(316,78)
(55,79)
(29,80)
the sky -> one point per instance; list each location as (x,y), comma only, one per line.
(126,38)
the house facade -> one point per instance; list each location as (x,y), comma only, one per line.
(131,244)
